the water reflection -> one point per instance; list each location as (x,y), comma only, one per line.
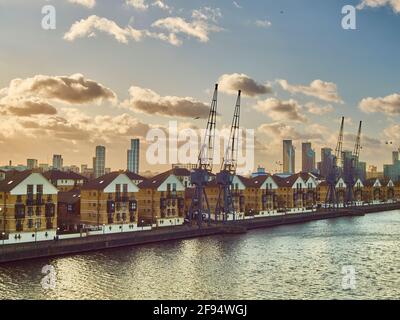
(297,261)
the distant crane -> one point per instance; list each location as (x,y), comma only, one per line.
(333,172)
(339,146)
(352,170)
(200,175)
(225,177)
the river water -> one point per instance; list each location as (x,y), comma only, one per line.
(301,261)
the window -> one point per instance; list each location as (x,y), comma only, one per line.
(39,189)
(29,189)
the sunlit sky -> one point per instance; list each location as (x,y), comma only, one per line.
(111,70)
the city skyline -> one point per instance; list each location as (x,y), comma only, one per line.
(299,97)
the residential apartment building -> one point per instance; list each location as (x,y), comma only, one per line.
(161,200)
(109,200)
(28,207)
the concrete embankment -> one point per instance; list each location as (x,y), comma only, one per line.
(51,248)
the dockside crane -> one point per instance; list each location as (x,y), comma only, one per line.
(333,173)
(352,170)
(200,176)
(224,178)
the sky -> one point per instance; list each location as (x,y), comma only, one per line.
(113,70)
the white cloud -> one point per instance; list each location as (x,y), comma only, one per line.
(74,89)
(86,3)
(322,90)
(138,4)
(279,110)
(394,4)
(147,101)
(231,83)
(202,24)
(388,105)
(88,27)
(313,108)
(263,23)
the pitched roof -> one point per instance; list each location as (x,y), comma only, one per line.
(101,182)
(134,176)
(259,180)
(370,182)
(180,172)
(64,175)
(69,197)
(285,182)
(11,181)
(248,183)
(155,181)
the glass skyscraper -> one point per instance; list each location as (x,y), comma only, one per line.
(288,157)
(99,162)
(133,156)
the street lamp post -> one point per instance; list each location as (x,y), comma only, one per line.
(3,236)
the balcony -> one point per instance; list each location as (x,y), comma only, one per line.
(110,206)
(19,226)
(50,210)
(132,206)
(171,194)
(110,219)
(19,211)
(163,204)
(49,224)
(39,200)
(30,201)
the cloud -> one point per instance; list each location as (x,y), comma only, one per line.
(322,90)
(388,105)
(231,83)
(202,24)
(161,5)
(394,4)
(313,108)
(88,27)
(138,4)
(86,3)
(263,23)
(280,131)
(25,107)
(70,89)
(392,132)
(237,5)
(279,110)
(149,102)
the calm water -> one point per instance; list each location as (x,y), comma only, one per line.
(299,261)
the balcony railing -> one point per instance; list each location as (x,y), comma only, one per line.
(19,211)
(49,224)
(30,201)
(39,200)
(132,206)
(50,210)
(110,218)
(110,206)
(19,227)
